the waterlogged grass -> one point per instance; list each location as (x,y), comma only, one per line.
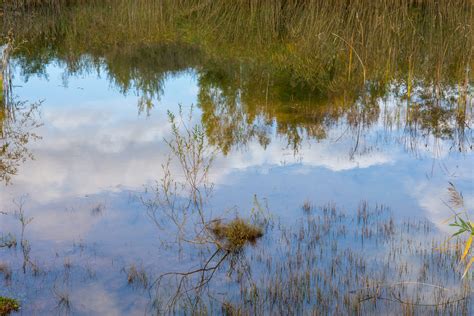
(234,235)
(334,262)
(137,276)
(8,305)
(326,260)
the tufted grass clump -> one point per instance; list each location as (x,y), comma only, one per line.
(8,305)
(137,276)
(234,235)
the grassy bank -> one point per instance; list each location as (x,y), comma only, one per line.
(304,64)
(320,42)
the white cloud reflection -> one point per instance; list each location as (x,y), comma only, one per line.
(97,143)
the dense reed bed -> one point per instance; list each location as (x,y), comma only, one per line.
(303,64)
(319,41)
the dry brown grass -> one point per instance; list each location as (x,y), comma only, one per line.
(137,275)
(235,234)
(8,305)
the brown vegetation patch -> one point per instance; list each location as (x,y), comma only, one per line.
(235,234)
(8,305)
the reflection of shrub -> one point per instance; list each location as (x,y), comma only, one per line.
(16,130)
(236,233)
(8,305)
(8,241)
(6,271)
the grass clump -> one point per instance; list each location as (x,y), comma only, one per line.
(137,276)
(307,206)
(8,305)
(234,235)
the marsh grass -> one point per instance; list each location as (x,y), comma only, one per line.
(302,64)
(463,225)
(8,305)
(234,235)
(307,206)
(339,39)
(137,276)
(336,263)
(330,262)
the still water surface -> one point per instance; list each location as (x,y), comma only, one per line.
(97,152)
(101,148)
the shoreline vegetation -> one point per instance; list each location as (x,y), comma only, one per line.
(302,64)
(332,43)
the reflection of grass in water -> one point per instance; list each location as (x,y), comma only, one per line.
(336,263)
(328,263)
(331,262)
(326,43)
(304,65)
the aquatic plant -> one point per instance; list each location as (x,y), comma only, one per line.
(330,262)
(137,276)
(235,234)
(463,224)
(307,206)
(8,305)
(182,208)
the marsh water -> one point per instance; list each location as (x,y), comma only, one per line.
(340,128)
